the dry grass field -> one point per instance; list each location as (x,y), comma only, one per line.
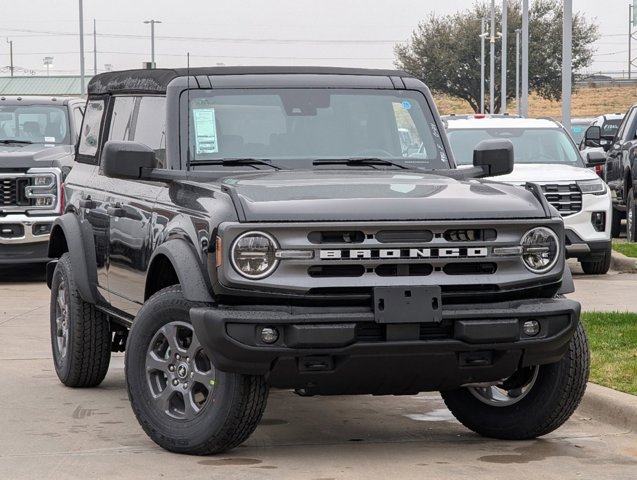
(587,101)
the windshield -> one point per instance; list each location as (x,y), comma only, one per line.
(610,127)
(578,129)
(532,145)
(293,127)
(34,124)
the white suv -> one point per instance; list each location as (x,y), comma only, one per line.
(546,155)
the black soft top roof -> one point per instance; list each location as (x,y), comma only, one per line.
(156,80)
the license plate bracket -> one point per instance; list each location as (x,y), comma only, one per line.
(408,304)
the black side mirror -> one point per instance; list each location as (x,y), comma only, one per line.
(127,160)
(593,159)
(494,157)
(592,136)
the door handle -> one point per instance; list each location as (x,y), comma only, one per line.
(116,210)
(87,203)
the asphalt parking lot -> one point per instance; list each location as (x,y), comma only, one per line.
(49,431)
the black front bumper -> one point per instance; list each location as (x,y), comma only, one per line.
(341,350)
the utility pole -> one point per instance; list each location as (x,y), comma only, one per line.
(48,61)
(567,52)
(630,37)
(10,42)
(492,60)
(483,35)
(517,71)
(503,81)
(525,58)
(82,85)
(152,40)
(94,48)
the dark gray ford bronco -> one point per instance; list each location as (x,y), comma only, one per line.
(237,229)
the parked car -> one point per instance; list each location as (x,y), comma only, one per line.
(37,135)
(619,171)
(546,155)
(609,124)
(277,235)
(578,127)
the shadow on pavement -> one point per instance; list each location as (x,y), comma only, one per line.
(32,272)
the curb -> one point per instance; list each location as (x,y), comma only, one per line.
(609,406)
(621,263)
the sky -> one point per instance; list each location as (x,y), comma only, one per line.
(357,33)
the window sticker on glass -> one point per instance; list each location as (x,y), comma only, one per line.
(205,131)
(406,105)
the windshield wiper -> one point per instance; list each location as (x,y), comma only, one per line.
(226,162)
(7,141)
(354,161)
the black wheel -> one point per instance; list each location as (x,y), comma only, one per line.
(616,223)
(80,334)
(597,265)
(631,213)
(533,402)
(180,399)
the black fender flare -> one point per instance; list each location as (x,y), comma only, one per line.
(568,286)
(188,268)
(78,237)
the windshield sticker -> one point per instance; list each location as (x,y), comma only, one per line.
(49,139)
(406,105)
(205,131)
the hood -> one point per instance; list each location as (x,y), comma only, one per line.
(543,173)
(374,196)
(35,155)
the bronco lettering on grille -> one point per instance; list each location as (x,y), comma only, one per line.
(403,253)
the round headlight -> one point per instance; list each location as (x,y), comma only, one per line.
(540,249)
(253,255)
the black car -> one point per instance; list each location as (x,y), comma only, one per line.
(236,229)
(619,170)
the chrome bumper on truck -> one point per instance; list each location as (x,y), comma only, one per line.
(351,350)
(24,238)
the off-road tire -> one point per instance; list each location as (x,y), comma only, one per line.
(88,341)
(229,414)
(615,223)
(597,265)
(631,220)
(553,398)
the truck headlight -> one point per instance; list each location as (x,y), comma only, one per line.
(595,187)
(253,255)
(540,249)
(42,190)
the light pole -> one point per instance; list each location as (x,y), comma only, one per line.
(82,86)
(152,40)
(517,71)
(483,35)
(492,60)
(48,61)
(503,81)
(525,59)
(10,42)
(567,45)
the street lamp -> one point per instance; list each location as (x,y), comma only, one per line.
(152,40)
(48,61)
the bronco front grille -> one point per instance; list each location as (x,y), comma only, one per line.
(566,198)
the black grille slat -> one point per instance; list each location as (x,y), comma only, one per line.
(566,198)
(8,192)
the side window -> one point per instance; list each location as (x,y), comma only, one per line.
(150,127)
(626,131)
(90,136)
(122,118)
(78,114)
